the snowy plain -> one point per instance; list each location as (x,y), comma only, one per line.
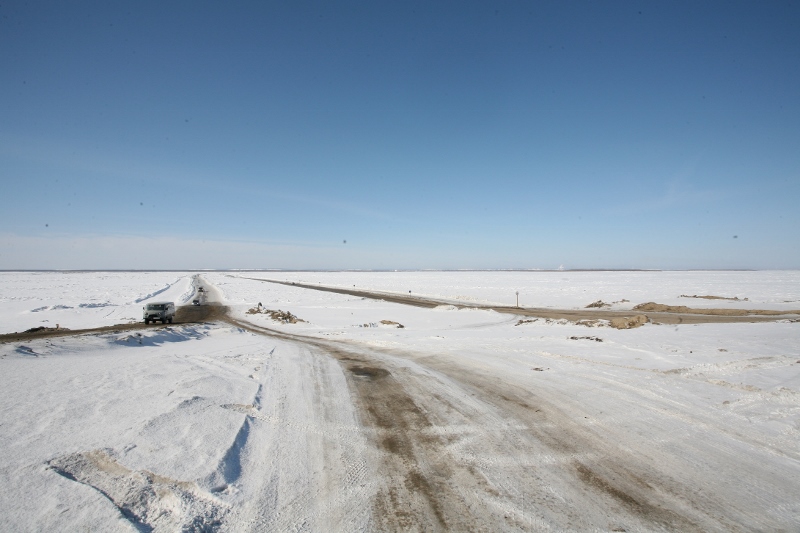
(214,427)
(778,290)
(78,300)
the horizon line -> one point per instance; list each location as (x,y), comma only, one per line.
(355,270)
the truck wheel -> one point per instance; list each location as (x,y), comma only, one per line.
(147,321)
(170,320)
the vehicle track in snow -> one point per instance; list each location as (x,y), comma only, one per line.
(184,314)
(456,448)
(209,312)
(461,451)
(667,316)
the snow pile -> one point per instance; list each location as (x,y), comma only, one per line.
(279,316)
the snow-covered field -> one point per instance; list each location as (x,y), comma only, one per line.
(778,290)
(78,300)
(496,426)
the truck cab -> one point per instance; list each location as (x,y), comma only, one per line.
(163,311)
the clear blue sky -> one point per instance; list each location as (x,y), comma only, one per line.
(425,134)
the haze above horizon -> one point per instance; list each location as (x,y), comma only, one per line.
(416,135)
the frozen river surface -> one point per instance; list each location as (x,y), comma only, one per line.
(463,419)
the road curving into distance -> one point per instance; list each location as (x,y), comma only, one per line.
(459,448)
(463,448)
(456,447)
(208,311)
(656,313)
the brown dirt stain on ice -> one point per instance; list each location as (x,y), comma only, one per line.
(410,499)
(682,309)
(656,313)
(629,322)
(184,314)
(711,297)
(615,479)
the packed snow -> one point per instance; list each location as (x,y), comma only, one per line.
(252,424)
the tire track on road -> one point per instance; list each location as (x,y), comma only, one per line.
(459,450)
(685,316)
(184,314)
(419,423)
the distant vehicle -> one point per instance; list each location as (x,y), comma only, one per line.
(200,289)
(163,311)
(195,302)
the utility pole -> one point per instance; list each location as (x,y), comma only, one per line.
(517,298)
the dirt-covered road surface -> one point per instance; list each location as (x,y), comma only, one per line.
(207,311)
(656,313)
(456,448)
(460,449)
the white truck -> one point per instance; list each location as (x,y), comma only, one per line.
(163,311)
